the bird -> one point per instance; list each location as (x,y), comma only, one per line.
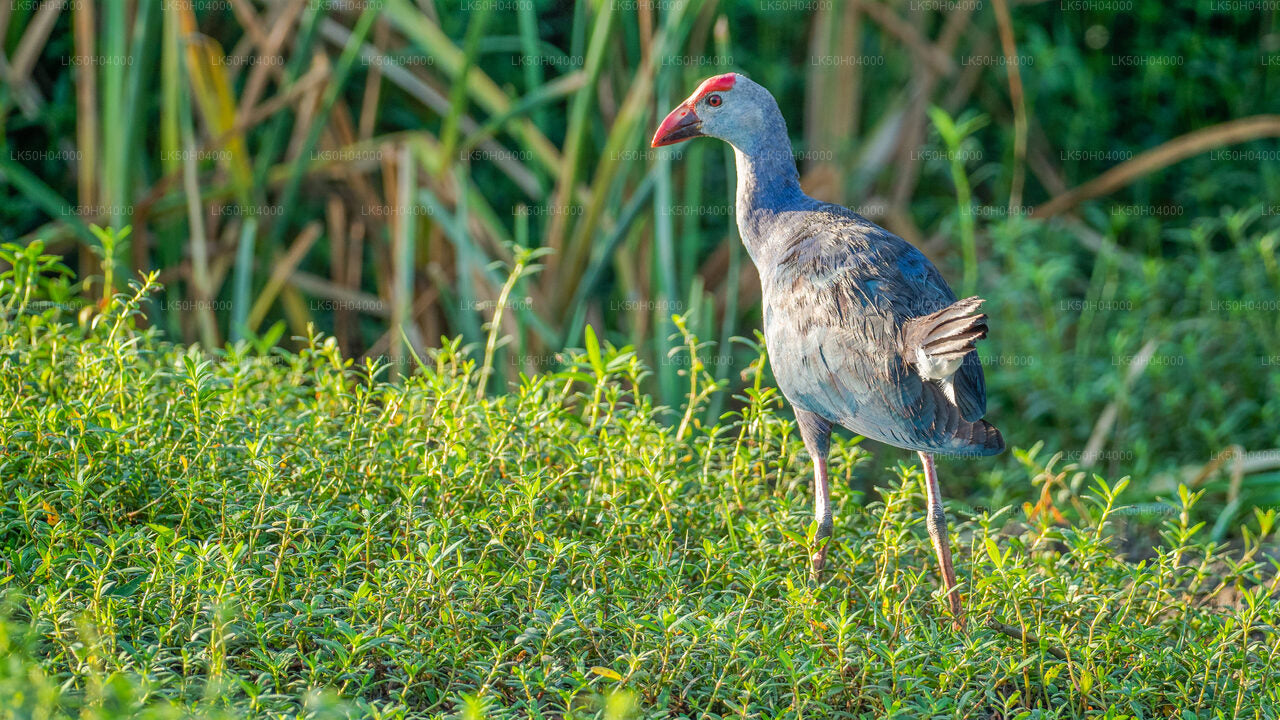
(861,329)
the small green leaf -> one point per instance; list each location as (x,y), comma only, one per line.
(593,350)
(128,589)
(1121,485)
(604,671)
(161,530)
(994,553)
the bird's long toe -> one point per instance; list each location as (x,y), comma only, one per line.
(819,560)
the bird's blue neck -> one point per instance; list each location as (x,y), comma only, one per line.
(768,188)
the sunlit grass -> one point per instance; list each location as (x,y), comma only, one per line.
(237,531)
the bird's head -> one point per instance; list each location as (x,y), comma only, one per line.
(730,107)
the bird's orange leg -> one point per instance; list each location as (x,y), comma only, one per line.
(936,520)
(821,514)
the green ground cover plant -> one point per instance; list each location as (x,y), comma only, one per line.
(255,532)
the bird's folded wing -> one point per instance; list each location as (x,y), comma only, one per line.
(841,293)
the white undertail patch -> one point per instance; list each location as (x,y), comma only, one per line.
(933,368)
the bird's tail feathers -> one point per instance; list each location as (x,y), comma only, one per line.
(980,438)
(950,333)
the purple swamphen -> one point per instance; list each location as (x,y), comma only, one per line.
(862,330)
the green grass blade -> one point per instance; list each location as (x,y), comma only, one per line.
(532,69)
(458,95)
(115,116)
(402,254)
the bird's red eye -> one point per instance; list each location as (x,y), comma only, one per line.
(714,100)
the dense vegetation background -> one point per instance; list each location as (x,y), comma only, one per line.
(397,174)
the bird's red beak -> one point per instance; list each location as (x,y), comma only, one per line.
(683,123)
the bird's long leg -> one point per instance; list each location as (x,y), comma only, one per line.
(816,432)
(821,514)
(937,523)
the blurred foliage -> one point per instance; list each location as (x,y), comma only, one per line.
(374,169)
